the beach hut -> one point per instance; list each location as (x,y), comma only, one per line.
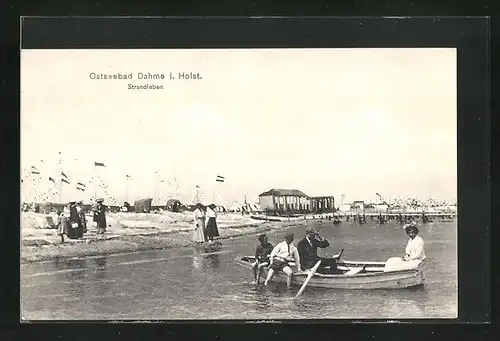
(174,205)
(143,205)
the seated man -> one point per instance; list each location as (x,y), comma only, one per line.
(308,251)
(282,254)
(262,254)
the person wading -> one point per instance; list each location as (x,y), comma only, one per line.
(211,231)
(199,221)
(282,254)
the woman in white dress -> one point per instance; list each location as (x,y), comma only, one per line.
(199,221)
(415,248)
(414,252)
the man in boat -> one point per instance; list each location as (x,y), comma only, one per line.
(308,251)
(282,254)
(262,254)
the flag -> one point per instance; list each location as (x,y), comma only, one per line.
(128,177)
(80,186)
(220,178)
(34,170)
(197,186)
(52,179)
(64,178)
(99,164)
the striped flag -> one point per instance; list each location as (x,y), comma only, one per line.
(64,178)
(220,178)
(34,170)
(99,164)
(80,186)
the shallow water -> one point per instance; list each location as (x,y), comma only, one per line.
(194,283)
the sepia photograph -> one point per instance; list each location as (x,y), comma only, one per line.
(238,184)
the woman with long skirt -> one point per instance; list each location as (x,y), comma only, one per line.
(199,220)
(212,230)
(100,216)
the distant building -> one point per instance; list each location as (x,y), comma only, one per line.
(358,206)
(344,208)
(284,200)
(322,204)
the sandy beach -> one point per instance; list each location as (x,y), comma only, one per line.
(130,232)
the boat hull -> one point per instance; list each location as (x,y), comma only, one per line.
(372,277)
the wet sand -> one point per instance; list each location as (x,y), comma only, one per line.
(92,244)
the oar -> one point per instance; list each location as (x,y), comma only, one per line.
(311,274)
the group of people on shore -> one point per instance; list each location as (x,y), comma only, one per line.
(305,254)
(205,219)
(72,222)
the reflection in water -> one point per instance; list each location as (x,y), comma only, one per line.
(197,259)
(101,283)
(206,256)
(100,262)
(260,298)
(213,261)
(74,281)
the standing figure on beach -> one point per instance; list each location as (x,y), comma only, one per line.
(199,220)
(62,225)
(211,231)
(100,216)
(74,220)
(81,215)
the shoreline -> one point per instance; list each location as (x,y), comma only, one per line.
(93,245)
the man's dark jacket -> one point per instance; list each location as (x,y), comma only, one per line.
(309,253)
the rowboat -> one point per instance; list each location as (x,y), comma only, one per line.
(354,275)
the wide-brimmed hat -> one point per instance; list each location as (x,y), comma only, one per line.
(199,205)
(411,226)
(212,206)
(72,202)
(99,200)
(79,202)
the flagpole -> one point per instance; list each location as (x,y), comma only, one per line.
(31,186)
(60,178)
(95,183)
(126,188)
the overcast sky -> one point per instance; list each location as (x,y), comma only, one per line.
(325,121)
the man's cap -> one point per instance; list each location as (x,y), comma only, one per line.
(311,229)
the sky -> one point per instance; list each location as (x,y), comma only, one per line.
(324,121)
